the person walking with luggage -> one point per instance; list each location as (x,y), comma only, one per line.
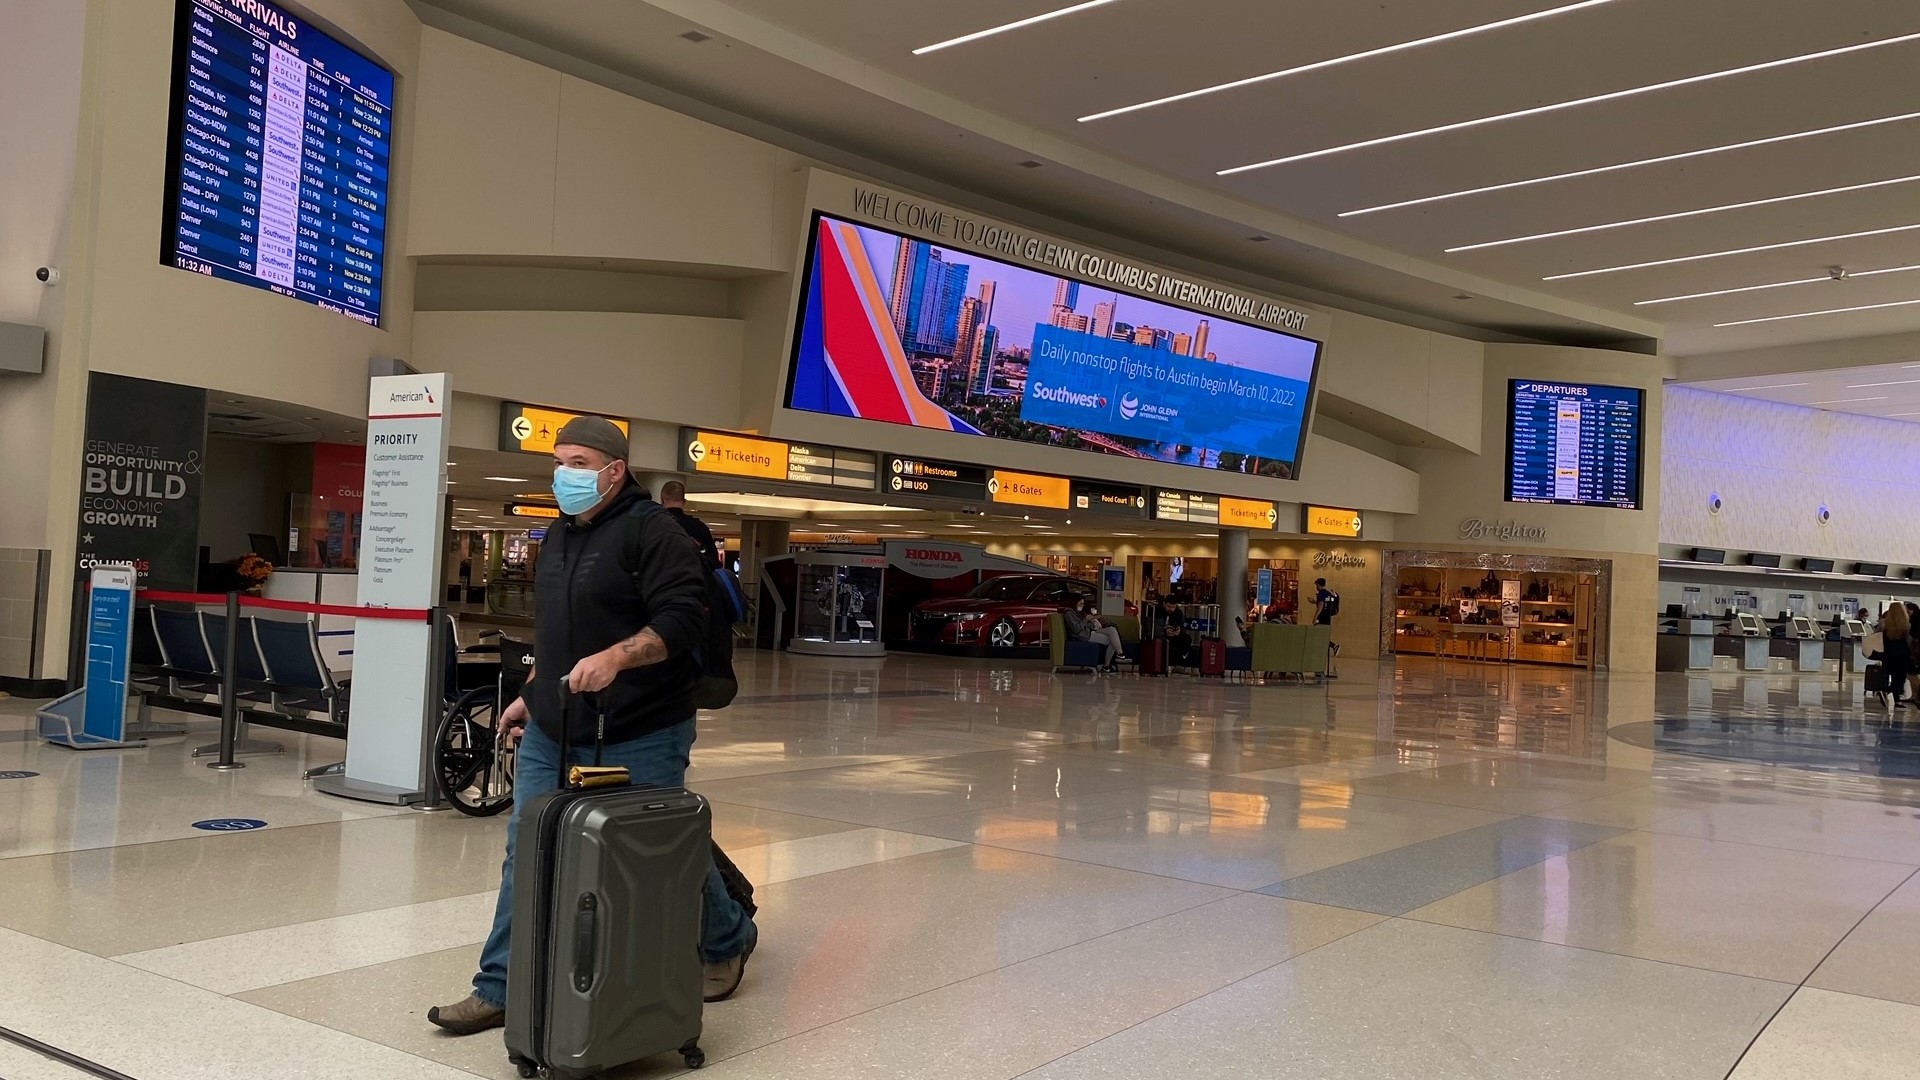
(1896,629)
(620,602)
(1326,604)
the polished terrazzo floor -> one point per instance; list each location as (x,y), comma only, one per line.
(988,871)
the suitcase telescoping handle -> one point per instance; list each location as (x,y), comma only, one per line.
(595,775)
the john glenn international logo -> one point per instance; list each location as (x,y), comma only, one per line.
(1129,407)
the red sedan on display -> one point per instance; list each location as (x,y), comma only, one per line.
(1002,612)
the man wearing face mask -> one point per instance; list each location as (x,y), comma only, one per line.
(620,601)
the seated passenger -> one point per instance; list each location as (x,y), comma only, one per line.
(1173,627)
(1084,625)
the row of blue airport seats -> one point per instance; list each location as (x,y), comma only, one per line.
(277,662)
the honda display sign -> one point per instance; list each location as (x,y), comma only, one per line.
(933,559)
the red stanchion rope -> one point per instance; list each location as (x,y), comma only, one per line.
(347,610)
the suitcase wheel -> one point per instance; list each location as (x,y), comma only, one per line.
(693,1055)
(527,1070)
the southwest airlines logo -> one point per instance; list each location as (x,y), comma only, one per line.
(1060,395)
(1129,407)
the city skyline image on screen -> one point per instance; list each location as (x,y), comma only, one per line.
(902,330)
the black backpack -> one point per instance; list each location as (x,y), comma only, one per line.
(716,685)
(1333,605)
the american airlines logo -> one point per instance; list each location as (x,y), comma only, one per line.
(398,396)
(1060,395)
(935,555)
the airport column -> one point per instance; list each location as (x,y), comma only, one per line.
(1231,587)
(760,539)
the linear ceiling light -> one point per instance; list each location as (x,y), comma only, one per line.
(1731,251)
(1349,58)
(1777,285)
(1811,314)
(1017,24)
(1661,160)
(1872,385)
(1848,400)
(1685,214)
(1769,386)
(1557,106)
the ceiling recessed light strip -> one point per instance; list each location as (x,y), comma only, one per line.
(1557,106)
(1872,385)
(1017,24)
(1848,400)
(1661,160)
(1811,314)
(1777,285)
(1684,214)
(1349,58)
(1731,251)
(1769,386)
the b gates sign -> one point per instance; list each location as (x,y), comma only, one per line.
(140,479)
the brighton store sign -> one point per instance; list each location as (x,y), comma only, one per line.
(1482,529)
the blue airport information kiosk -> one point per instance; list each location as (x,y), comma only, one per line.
(94,717)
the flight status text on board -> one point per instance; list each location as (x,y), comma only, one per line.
(281,142)
(1574,443)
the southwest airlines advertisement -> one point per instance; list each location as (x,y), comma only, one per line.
(901,330)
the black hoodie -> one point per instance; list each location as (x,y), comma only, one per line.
(599,583)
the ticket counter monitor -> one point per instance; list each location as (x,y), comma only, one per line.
(1799,642)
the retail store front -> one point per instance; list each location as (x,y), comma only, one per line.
(1522,608)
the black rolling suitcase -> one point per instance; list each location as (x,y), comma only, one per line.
(1877,681)
(605,962)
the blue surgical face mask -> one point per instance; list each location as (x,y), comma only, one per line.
(577,490)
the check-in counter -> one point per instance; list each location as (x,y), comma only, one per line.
(1684,645)
(1844,643)
(1746,641)
(1799,644)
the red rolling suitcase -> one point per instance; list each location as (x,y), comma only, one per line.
(1213,656)
(1153,656)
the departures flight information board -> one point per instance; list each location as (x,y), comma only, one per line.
(279,152)
(1574,443)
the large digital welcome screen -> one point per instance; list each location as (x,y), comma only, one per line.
(277,171)
(901,330)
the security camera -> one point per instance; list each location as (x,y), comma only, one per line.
(47,275)
(1838,273)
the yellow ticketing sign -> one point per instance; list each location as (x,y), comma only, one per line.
(524,510)
(1030,489)
(736,455)
(1332,521)
(531,429)
(1248,513)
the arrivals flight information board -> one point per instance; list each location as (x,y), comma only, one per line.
(1574,443)
(279,151)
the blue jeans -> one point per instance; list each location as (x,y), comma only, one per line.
(656,760)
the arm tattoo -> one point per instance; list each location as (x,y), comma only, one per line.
(642,649)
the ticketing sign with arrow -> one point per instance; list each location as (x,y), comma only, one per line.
(531,428)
